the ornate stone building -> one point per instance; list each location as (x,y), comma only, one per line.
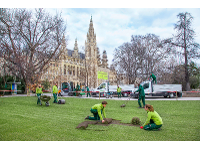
(75,67)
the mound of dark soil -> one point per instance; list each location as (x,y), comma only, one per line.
(107,122)
(84,125)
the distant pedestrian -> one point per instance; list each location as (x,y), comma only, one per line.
(77,89)
(88,92)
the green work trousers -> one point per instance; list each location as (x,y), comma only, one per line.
(143,100)
(152,126)
(55,97)
(95,113)
(88,93)
(155,81)
(119,94)
(38,101)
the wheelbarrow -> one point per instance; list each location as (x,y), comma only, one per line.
(45,99)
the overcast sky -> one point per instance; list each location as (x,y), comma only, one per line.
(114,24)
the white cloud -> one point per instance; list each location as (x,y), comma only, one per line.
(115,26)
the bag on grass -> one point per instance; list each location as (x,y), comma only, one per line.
(61,101)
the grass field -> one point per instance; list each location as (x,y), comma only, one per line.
(22,120)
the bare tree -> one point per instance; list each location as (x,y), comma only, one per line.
(29,40)
(140,57)
(124,62)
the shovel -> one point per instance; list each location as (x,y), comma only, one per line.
(123,105)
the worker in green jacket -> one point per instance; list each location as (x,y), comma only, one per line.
(97,110)
(153,121)
(88,91)
(119,91)
(141,95)
(55,92)
(154,78)
(39,92)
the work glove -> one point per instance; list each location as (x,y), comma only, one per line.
(141,127)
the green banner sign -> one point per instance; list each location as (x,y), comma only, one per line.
(102,75)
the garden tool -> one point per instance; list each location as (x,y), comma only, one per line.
(123,105)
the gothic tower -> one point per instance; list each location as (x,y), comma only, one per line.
(90,43)
(75,54)
(98,58)
(63,46)
(91,57)
(104,60)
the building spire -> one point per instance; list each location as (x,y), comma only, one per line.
(76,45)
(63,44)
(75,54)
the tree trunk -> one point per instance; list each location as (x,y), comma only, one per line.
(186,59)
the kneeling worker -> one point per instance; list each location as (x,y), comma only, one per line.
(97,110)
(154,121)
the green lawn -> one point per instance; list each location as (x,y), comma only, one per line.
(22,120)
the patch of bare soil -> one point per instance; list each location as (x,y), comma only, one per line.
(118,122)
(108,121)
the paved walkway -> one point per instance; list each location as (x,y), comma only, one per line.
(147,98)
(116,98)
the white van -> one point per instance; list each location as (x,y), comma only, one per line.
(166,90)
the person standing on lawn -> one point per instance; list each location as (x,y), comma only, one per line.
(55,92)
(39,92)
(153,77)
(97,110)
(119,91)
(141,95)
(154,121)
